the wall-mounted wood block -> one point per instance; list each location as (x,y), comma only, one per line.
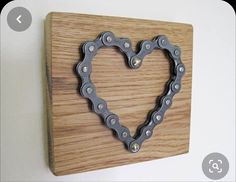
(78,140)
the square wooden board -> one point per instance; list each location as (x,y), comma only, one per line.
(78,141)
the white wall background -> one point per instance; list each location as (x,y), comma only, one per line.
(23,130)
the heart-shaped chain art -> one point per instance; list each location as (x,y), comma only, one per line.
(99,106)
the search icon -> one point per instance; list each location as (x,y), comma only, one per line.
(215,166)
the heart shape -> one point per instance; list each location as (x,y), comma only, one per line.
(99,106)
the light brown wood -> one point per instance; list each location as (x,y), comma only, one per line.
(78,141)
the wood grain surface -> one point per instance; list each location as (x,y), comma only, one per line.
(78,141)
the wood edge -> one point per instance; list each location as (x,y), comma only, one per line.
(55,13)
(190,106)
(63,173)
(48,65)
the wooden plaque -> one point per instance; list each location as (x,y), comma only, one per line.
(78,140)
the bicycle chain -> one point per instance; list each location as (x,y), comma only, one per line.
(99,106)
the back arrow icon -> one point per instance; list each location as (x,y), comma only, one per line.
(18,18)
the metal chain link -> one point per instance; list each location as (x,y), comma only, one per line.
(99,106)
